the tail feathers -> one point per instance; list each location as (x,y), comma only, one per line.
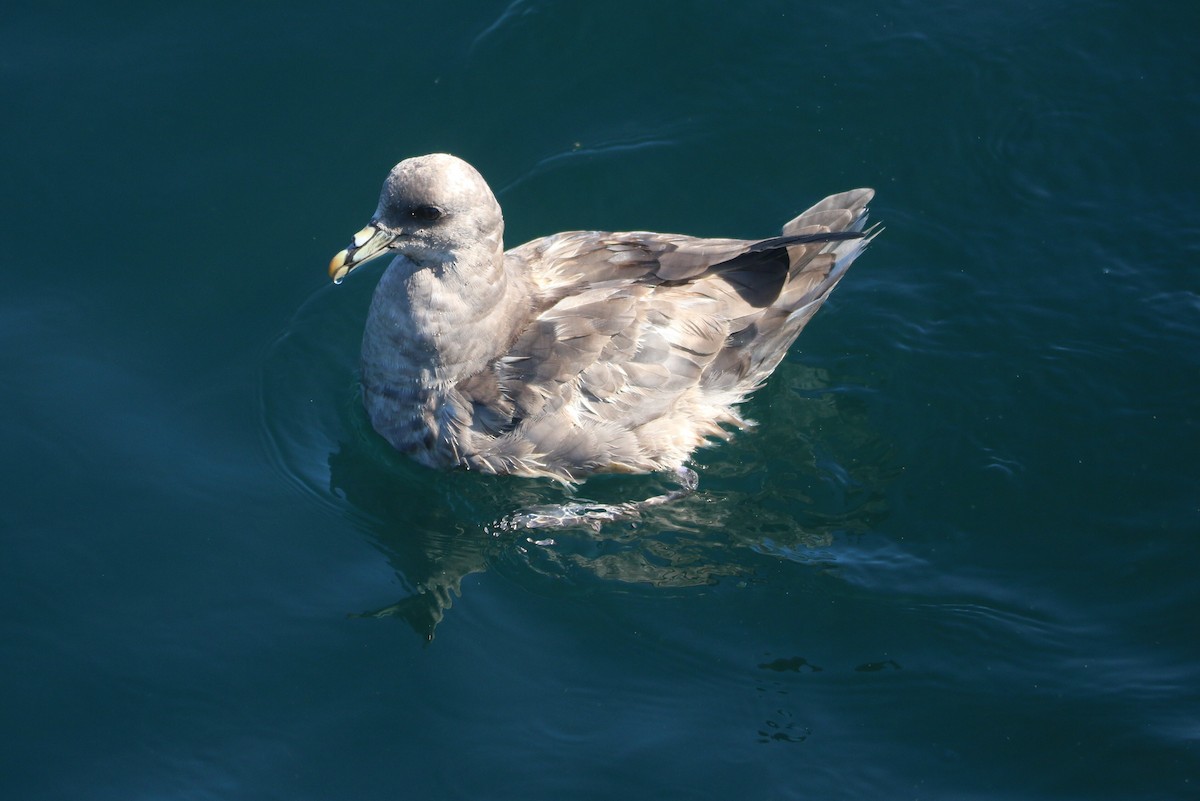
(815,272)
(840,212)
(816,267)
(812,280)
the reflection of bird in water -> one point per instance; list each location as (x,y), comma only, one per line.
(578,353)
(748,518)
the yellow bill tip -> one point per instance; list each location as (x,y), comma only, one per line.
(338,267)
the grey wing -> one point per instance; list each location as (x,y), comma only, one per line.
(602,380)
(623,321)
(640,339)
(718,312)
(619,352)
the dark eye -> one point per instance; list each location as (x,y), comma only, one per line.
(427,213)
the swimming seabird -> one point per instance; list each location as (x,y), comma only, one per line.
(582,352)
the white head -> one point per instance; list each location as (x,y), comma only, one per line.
(431,207)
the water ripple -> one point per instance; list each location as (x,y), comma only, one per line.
(578,152)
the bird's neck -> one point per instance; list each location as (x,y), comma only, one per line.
(441,324)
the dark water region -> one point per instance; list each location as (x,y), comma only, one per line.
(956,558)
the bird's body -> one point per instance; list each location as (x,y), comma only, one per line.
(581,352)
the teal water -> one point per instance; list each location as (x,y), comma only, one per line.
(956,559)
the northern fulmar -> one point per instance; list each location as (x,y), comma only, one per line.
(582,352)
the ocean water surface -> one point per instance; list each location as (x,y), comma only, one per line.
(956,558)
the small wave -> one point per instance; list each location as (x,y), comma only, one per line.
(579,152)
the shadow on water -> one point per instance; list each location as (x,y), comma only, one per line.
(759,497)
